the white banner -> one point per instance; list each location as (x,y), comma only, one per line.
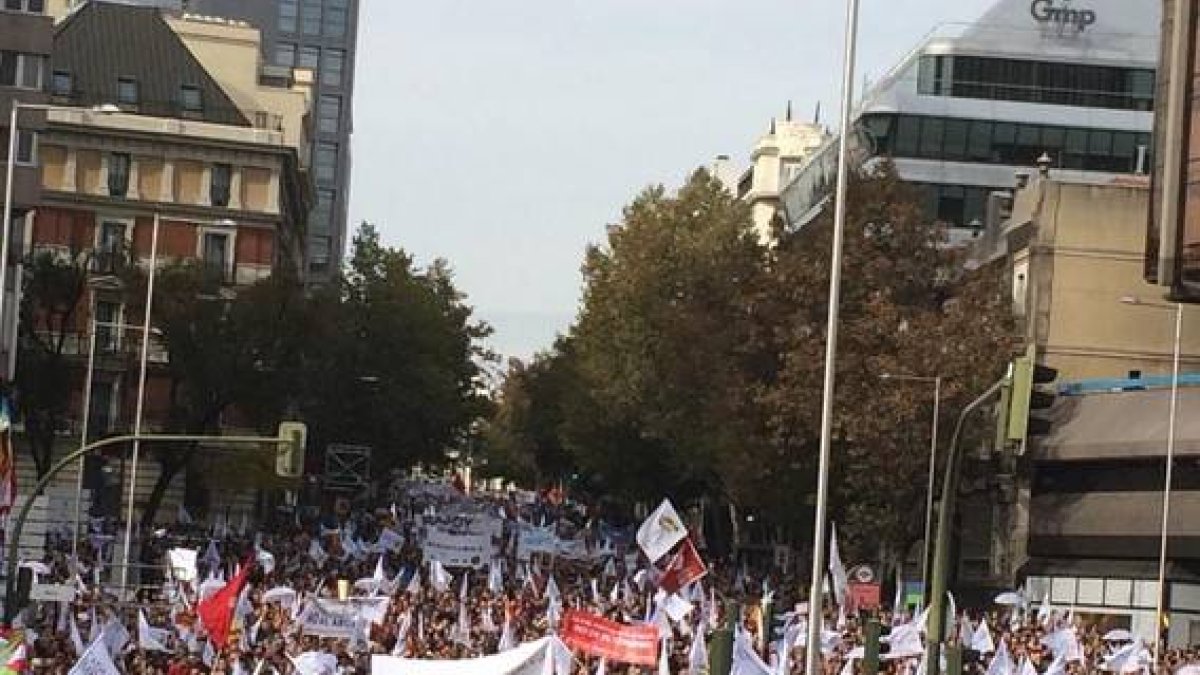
(331,619)
(536,540)
(526,659)
(458,550)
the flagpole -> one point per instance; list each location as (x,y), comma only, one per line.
(815,613)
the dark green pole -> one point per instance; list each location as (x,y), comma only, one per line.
(953,659)
(14,536)
(721,646)
(941,558)
(870,664)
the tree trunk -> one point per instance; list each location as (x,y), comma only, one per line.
(170,465)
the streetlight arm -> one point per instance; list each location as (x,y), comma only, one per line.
(941,557)
(14,536)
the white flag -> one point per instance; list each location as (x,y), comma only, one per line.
(661,531)
(837,572)
(439,578)
(1002,663)
(317,553)
(95,661)
(981,641)
(76,639)
(698,654)
(150,638)
(1026,668)
(495,578)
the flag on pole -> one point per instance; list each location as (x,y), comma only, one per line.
(661,532)
(698,654)
(150,638)
(216,612)
(1002,663)
(981,640)
(95,661)
(837,571)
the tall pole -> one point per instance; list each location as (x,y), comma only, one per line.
(933,442)
(1166,500)
(83,436)
(10,167)
(141,403)
(815,605)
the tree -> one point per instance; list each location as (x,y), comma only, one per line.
(54,285)
(659,337)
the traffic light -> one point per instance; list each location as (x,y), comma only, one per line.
(289,456)
(1028,399)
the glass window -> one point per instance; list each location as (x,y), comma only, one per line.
(26,147)
(1100,143)
(288,10)
(310,21)
(329,114)
(118,174)
(215,254)
(326,162)
(190,99)
(31,71)
(21,70)
(62,84)
(127,91)
(33,6)
(322,213)
(309,57)
(951,201)
(932,130)
(285,55)
(1076,148)
(955,145)
(9,68)
(979,143)
(336,12)
(908,135)
(222,178)
(332,65)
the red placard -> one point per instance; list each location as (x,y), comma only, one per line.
(863,596)
(597,636)
(685,567)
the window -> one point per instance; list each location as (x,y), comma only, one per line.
(285,55)
(322,213)
(908,133)
(214,254)
(218,192)
(932,129)
(108,323)
(26,147)
(331,67)
(32,6)
(326,162)
(335,18)
(190,99)
(21,70)
(329,114)
(309,57)
(111,246)
(310,21)
(62,84)
(127,91)
(955,145)
(118,174)
(288,9)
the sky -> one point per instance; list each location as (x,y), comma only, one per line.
(505,136)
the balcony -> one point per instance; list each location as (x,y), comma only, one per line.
(111,344)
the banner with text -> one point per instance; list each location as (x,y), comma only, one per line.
(457,550)
(598,636)
(526,659)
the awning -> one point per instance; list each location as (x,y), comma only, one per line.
(1120,425)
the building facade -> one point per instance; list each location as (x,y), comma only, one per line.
(219,172)
(972,105)
(320,35)
(26,38)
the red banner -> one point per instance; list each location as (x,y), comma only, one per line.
(863,596)
(614,641)
(685,567)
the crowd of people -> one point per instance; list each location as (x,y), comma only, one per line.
(426,610)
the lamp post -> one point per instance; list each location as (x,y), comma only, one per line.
(5,235)
(933,439)
(87,415)
(815,605)
(141,402)
(1166,499)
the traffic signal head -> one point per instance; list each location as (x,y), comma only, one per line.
(1027,400)
(289,456)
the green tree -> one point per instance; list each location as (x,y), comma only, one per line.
(54,286)
(659,341)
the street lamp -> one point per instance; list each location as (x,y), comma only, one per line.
(1166,500)
(87,413)
(5,238)
(933,439)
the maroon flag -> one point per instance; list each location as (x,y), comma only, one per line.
(684,567)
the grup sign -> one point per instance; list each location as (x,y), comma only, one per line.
(1060,13)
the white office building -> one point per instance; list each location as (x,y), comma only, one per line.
(974,104)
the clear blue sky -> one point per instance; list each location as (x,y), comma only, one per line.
(504,136)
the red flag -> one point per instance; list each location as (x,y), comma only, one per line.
(685,567)
(216,613)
